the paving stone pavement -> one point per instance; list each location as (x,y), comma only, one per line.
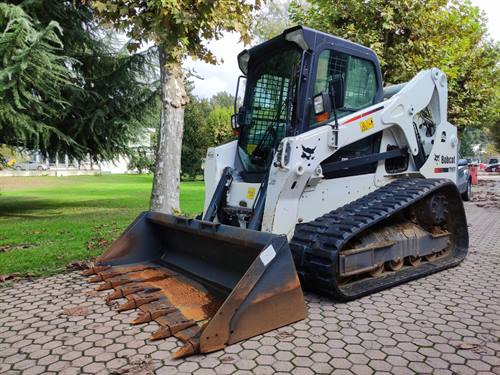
(447,323)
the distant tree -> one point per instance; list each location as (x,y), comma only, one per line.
(141,160)
(219,125)
(219,118)
(207,123)
(271,20)
(470,137)
(222,99)
(196,136)
(179,28)
(493,121)
(495,134)
(412,35)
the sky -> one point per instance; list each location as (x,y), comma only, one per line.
(223,77)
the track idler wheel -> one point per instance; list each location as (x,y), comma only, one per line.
(431,257)
(395,265)
(379,270)
(433,211)
(413,261)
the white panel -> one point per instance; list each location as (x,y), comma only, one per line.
(332,194)
(443,159)
(217,159)
(242,192)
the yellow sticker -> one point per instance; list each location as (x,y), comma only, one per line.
(366,124)
(251,147)
(251,193)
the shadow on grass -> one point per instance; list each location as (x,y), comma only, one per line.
(27,207)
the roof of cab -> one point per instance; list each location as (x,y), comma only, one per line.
(314,39)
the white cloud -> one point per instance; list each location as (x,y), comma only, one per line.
(210,86)
(492,10)
(220,77)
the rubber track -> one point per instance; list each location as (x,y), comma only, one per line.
(316,244)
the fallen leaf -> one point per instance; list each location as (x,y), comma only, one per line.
(466,346)
(4,278)
(76,311)
(137,367)
(6,248)
(283,335)
(78,266)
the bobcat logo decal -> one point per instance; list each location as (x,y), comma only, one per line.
(307,153)
(436,157)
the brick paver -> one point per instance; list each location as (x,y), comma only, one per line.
(448,323)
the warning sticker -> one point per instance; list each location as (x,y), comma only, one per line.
(251,193)
(267,255)
(366,124)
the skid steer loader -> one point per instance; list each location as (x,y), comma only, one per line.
(333,181)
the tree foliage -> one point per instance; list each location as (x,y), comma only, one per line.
(141,160)
(412,35)
(32,78)
(81,93)
(196,135)
(222,99)
(494,132)
(271,20)
(207,123)
(219,125)
(180,27)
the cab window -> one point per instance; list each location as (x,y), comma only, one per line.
(360,82)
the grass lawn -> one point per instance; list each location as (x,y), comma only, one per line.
(48,222)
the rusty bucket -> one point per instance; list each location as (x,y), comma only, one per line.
(209,285)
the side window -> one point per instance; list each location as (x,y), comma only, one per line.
(361,84)
(359,80)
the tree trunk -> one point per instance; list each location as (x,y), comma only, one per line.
(165,193)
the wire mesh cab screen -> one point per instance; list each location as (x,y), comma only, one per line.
(359,78)
(270,83)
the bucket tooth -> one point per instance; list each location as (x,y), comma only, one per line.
(188,349)
(88,272)
(174,328)
(148,316)
(129,305)
(123,291)
(136,301)
(170,330)
(191,333)
(105,275)
(102,276)
(142,317)
(135,277)
(161,333)
(94,270)
(112,283)
(116,294)
(95,279)
(105,286)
